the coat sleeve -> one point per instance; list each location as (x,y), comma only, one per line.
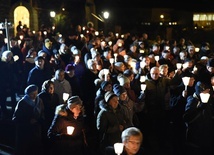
(193,110)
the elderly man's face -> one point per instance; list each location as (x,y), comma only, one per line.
(155,73)
(132,145)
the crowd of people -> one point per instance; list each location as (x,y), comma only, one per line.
(126,89)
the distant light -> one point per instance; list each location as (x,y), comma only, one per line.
(63,9)
(162,16)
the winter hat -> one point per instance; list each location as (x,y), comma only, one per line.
(199,87)
(31,88)
(73,101)
(69,67)
(128,72)
(39,58)
(74,50)
(5,54)
(30,51)
(122,79)
(94,53)
(118,64)
(109,95)
(104,84)
(118,90)
(47,40)
(101,74)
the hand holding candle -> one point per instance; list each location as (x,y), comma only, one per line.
(118,148)
(65,96)
(186,81)
(143,87)
(70,130)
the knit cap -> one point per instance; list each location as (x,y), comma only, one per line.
(199,87)
(101,74)
(109,95)
(118,90)
(74,100)
(104,84)
(122,79)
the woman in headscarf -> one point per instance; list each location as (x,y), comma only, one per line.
(28,118)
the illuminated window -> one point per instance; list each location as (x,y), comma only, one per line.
(203,17)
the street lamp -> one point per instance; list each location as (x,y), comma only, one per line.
(106,16)
(52,14)
(162,19)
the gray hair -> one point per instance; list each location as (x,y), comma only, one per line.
(131,131)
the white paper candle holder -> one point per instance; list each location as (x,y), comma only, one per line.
(186,81)
(70,130)
(118,148)
(204,97)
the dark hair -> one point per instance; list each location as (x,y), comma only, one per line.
(46,85)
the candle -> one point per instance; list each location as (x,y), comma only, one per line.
(143,87)
(106,72)
(115,57)
(186,81)
(156,58)
(118,148)
(70,130)
(15,58)
(65,96)
(204,97)
(179,65)
(142,78)
(111,60)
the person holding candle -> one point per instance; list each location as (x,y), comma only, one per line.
(154,116)
(130,107)
(67,116)
(61,85)
(198,118)
(177,102)
(111,121)
(132,139)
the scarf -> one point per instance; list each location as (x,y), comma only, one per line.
(34,104)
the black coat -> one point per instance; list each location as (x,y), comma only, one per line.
(62,142)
